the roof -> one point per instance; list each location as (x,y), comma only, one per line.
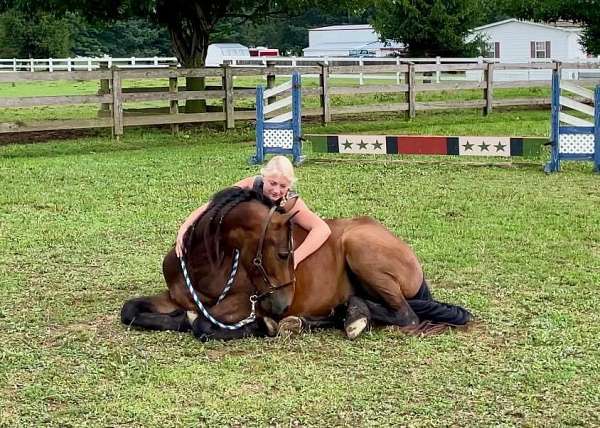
(229,45)
(338,45)
(561,26)
(352,27)
(355,45)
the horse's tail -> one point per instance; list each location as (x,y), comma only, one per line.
(438,312)
(435,316)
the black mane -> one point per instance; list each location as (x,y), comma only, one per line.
(206,229)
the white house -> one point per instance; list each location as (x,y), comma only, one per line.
(347,40)
(514,41)
(219,51)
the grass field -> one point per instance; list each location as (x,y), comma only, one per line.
(84,225)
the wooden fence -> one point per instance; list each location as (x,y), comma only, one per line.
(113,95)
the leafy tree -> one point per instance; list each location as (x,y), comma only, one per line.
(430,27)
(124,38)
(190,23)
(40,34)
(584,12)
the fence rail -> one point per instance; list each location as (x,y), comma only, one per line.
(409,80)
(81,63)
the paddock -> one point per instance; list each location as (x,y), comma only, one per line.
(85,224)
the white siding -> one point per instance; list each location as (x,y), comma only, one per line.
(575,48)
(515,40)
(321,36)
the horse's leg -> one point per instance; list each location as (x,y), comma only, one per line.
(157,312)
(358,317)
(385,268)
(293,324)
(353,318)
(381,314)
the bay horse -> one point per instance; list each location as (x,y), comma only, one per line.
(362,268)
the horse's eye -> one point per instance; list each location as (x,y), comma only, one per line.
(283,255)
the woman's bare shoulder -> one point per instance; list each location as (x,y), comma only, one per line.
(246,183)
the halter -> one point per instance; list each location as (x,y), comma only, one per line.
(257,261)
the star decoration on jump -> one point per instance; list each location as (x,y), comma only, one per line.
(347,145)
(484,146)
(468,146)
(376,145)
(500,147)
(362,145)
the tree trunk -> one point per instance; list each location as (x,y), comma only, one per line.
(190,23)
(193,59)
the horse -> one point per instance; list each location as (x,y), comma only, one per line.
(362,272)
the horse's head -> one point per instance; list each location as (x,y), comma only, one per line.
(240,219)
(264,238)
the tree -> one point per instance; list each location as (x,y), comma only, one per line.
(190,22)
(584,12)
(123,38)
(40,35)
(430,27)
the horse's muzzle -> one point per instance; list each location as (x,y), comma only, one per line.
(274,305)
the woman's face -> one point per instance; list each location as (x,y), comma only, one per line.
(275,187)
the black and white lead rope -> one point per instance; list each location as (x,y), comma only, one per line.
(202,308)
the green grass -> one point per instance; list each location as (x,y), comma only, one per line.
(84,225)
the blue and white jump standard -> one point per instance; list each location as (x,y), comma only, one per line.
(578,139)
(280,134)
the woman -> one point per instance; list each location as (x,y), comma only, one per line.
(275,181)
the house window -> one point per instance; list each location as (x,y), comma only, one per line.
(540,50)
(492,50)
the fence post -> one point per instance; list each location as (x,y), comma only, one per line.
(228,100)
(173,102)
(270,80)
(324,84)
(438,73)
(14,64)
(50,65)
(411,95)
(104,90)
(489,88)
(117,104)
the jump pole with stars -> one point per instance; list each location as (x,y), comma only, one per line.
(427,145)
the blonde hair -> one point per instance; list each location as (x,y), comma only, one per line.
(279,165)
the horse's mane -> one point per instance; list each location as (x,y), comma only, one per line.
(206,230)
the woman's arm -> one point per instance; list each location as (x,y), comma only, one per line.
(186,225)
(246,183)
(318,231)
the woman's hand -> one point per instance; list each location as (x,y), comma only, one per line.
(179,249)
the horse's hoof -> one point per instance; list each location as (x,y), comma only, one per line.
(191,316)
(271,326)
(355,328)
(289,326)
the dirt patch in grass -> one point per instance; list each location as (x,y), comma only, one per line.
(103,327)
(47,136)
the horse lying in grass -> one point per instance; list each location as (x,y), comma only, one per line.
(244,247)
